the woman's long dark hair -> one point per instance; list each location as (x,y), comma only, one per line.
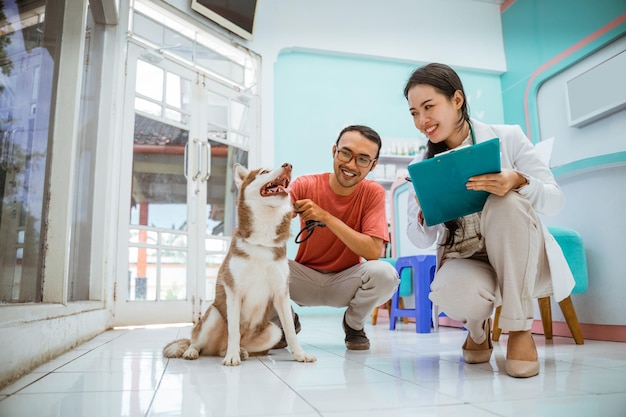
(446,81)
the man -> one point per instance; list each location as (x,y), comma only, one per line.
(329,269)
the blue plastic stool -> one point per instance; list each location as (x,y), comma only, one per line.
(423,269)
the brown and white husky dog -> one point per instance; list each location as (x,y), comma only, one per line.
(253,279)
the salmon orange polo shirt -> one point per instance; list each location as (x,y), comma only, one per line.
(363,211)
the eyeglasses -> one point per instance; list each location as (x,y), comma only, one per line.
(344,155)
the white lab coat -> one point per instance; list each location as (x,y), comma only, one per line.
(518,153)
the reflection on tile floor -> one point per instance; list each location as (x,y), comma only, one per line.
(122,373)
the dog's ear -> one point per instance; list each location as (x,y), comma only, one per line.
(240,173)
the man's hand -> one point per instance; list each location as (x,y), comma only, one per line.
(308,210)
(365,246)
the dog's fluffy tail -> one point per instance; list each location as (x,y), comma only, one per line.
(176,348)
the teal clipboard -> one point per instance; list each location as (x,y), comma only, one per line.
(439,182)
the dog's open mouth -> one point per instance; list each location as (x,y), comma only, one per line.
(276,187)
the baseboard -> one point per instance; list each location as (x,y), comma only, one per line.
(603,332)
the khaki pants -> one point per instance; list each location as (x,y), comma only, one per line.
(360,288)
(468,290)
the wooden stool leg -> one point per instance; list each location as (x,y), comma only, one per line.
(401,305)
(495,333)
(388,307)
(374,316)
(546,316)
(567,308)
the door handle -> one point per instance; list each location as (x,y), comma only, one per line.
(207,171)
(185,164)
(198,160)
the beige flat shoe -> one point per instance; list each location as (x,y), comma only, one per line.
(480,355)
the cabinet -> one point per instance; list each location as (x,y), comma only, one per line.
(390,168)
(395,156)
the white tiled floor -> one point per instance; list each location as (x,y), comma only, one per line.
(122,373)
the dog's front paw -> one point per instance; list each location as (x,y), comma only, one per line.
(304,357)
(232,360)
(191,354)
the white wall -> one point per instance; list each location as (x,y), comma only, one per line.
(403,30)
(594,195)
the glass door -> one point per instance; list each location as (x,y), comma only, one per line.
(26,80)
(178,195)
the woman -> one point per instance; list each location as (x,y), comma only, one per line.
(502,255)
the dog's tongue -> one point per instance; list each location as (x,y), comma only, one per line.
(277,187)
(280,189)
(281,186)
(275,190)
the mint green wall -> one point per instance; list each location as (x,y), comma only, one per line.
(316,95)
(544,37)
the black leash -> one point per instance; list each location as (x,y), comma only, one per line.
(309,228)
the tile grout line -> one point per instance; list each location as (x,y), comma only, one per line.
(45,374)
(290,388)
(156,389)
